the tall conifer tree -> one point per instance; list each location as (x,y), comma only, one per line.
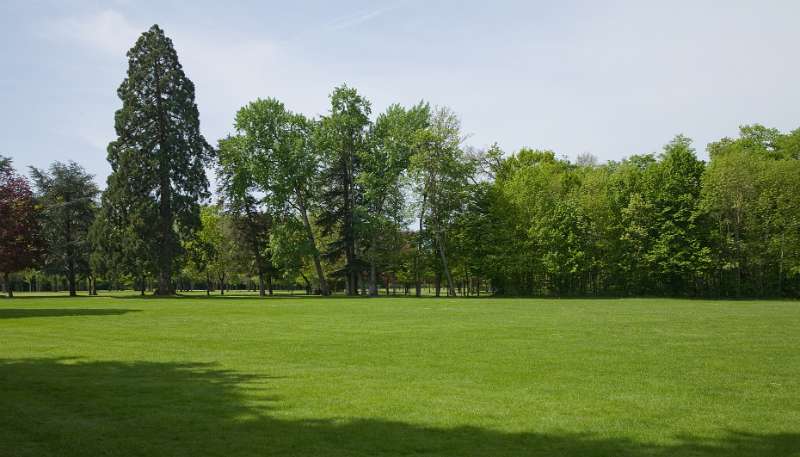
(158,158)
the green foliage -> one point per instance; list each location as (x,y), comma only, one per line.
(158,158)
(343,139)
(67,194)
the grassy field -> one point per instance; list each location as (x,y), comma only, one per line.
(300,376)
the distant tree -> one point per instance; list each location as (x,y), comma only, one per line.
(678,253)
(21,244)
(292,248)
(383,165)
(441,172)
(158,158)
(215,240)
(67,194)
(237,189)
(284,164)
(200,253)
(750,193)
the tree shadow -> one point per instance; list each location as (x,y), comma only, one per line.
(21,313)
(70,407)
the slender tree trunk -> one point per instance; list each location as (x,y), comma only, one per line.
(208,283)
(308,283)
(418,258)
(90,284)
(71,280)
(373,280)
(262,290)
(440,242)
(323,285)
(254,244)
(349,236)
(7,283)
(738,257)
(780,269)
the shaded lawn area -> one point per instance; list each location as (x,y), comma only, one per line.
(361,377)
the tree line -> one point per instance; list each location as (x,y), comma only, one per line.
(356,202)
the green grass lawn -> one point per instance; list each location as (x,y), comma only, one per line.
(393,376)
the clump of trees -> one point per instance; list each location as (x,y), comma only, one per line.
(354,202)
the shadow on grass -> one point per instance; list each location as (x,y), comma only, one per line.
(69,407)
(21,313)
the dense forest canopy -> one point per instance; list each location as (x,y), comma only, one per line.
(359,202)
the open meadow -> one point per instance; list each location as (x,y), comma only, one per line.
(196,376)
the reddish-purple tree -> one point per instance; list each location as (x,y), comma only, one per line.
(20,243)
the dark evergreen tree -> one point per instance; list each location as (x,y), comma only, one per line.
(343,136)
(67,194)
(158,158)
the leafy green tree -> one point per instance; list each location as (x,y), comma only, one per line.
(215,243)
(67,194)
(279,149)
(238,190)
(441,173)
(678,253)
(382,168)
(750,193)
(158,158)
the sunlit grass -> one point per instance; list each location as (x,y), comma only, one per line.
(239,375)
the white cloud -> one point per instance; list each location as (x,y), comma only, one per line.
(107,31)
(227,73)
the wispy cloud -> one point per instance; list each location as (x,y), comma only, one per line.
(359,18)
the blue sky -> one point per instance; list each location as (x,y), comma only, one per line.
(611,78)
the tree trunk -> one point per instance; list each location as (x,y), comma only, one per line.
(373,281)
(71,281)
(91,284)
(349,235)
(256,249)
(323,285)
(450,289)
(7,283)
(262,291)
(208,284)
(418,258)
(780,269)
(308,283)
(165,199)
